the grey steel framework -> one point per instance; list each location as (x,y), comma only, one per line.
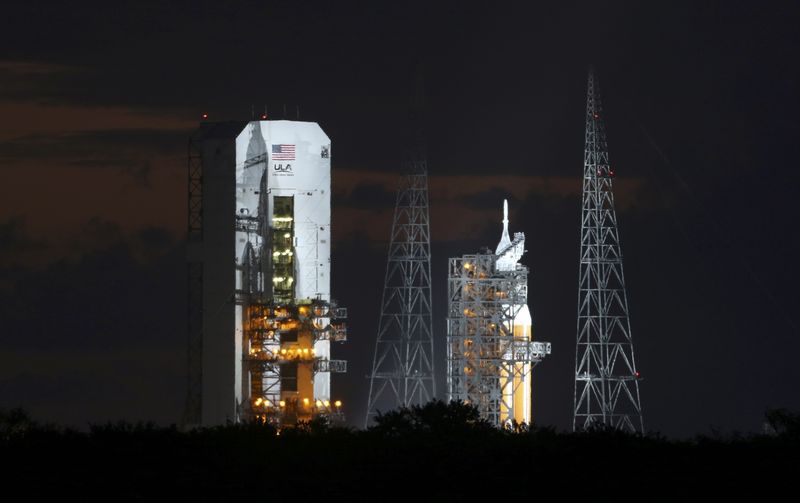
(402,367)
(606,379)
(267,360)
(193,406)
(486,360)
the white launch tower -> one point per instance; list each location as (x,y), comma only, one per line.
(490,347)
(267,317)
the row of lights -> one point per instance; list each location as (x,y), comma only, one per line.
(287,353)
(321,403)
(306,402)
(296,353)
(319,311)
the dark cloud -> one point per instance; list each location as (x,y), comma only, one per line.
(489,198)
(88,148)
(34,80)
(145,245)
(14,238)
(107,299)
(151,243)
(103,231)
(370,196)
(98,335)
(138,169)
(156,237)
(131,152)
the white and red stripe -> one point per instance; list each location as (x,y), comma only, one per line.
(283,152)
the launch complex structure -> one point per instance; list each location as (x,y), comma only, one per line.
(403,362)
(262,319)
(490,346)
(261,316)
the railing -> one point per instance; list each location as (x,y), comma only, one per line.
(335,366)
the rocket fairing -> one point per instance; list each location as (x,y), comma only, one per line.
(516,380)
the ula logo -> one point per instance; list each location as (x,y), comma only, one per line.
(282,168)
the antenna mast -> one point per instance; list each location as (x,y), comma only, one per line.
(402,368)
(606,378)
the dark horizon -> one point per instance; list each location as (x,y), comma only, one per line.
(700,104)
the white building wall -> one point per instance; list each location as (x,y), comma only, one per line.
(307,177)
(228,190)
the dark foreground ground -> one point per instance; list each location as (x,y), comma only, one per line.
(437,451)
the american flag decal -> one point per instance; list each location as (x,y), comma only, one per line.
(283,152)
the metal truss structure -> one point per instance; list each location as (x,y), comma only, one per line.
(280,353)
(606,378)
(193,407)
(489,359)
(402,367)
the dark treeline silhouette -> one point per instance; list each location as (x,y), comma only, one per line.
(436,450)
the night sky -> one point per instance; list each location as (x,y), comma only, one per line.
(98,100)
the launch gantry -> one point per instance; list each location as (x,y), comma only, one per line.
(281,360)
(261,315)
(490,346)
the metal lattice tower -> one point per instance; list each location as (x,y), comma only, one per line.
(193,406)
(606,379)
(402,368)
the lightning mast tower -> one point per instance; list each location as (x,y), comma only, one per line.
(402,367)
(606,378)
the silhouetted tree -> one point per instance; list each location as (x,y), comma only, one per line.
(433,417)
(784,423)
(15,423)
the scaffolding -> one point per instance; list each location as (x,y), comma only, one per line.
(280,360)
(490,351)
